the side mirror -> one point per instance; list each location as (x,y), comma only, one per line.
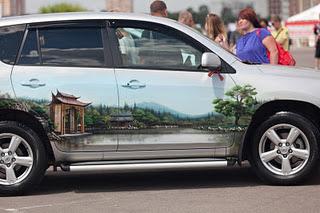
(210,61)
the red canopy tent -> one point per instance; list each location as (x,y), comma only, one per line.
(301,26)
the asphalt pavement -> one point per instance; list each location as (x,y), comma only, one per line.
(217,190)
(304,56)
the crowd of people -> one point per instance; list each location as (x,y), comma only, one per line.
(254,41)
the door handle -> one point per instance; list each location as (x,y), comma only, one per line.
(134,84)
(33,83)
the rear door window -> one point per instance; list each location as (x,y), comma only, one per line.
(10,40)
(70,45)
(76,46)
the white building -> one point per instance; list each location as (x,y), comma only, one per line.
(119,5)
(12,7)
(301,27)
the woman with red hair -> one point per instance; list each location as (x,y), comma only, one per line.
(255,43)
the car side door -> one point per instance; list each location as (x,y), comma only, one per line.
(64,76)
(166,98)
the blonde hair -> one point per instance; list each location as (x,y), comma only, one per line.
(184,16)
(214,26)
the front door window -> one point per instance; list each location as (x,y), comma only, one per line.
(145,48)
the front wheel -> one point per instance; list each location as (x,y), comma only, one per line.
(22,158)
(285,149)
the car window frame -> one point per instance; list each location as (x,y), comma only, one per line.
(225,67)
(149,26)
(108,60)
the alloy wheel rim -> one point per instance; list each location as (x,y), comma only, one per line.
(284,149)
(16,159)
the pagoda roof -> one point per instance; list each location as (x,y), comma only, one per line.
(64,98)
(65,95)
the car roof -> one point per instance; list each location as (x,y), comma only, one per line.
(74,16)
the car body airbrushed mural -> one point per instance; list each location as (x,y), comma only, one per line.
(170,111)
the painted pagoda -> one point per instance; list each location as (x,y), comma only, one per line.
(67,114)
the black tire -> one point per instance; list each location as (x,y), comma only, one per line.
(39,163)
(265,170)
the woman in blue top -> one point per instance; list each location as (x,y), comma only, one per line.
(253,45)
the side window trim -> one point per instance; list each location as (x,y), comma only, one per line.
(38,46)
(106,38)
(22,44)
(69,23)
(116,56)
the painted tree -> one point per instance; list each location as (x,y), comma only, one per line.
(241,102)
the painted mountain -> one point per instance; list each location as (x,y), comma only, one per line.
(162,109)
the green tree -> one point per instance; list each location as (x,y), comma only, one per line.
(106,119)
(241,102)
(138,114)
(167,119)
(6,103)
(62,7)
(150,119)
(92,116)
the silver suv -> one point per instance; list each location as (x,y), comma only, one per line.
(111,91)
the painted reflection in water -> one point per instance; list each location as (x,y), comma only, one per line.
(79,125)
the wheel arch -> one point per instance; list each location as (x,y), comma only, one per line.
(32,122)
(308,110)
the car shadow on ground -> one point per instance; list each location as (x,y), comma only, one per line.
(62,182)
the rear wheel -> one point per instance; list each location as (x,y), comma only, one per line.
(285,149)
(22,158)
